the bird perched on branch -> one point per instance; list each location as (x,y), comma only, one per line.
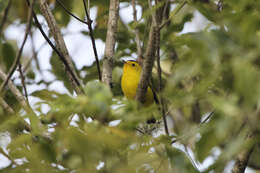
(130,80)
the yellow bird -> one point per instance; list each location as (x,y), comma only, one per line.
(130,80)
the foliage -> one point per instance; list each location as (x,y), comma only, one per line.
(214,69)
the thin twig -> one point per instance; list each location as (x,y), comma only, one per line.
(165,8)
(159,71)
(195,112)
(5,17)
(110,42)
(194,129)
(19,98)
(17,59)
(6,106)
(243,157)
(241,162)
(6,78)
(89,22)
(8,157)
(207,118)
(193,162)
(15,91)
(34,56)
(61,47)
(23,82)
(71,14)
(137,36)
(62,58)
(139,130)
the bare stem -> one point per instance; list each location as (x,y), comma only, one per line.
(7,156)
(158,20)
(6,106)
(5,17)
(243,158)
(19,97)
(89,22)
(34,56)
(148,62)
(110,42)
(71,14)
(23,82)
(147,66)
(18,56)
(60,46)
(159,71)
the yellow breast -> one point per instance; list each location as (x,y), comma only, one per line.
(130,80)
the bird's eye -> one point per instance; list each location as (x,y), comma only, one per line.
(133,65)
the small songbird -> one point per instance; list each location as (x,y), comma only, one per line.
(130,80)
(129,83)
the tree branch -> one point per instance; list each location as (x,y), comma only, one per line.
(159,71)
(62,58)
(148,62)
(19,98)
(158,18)
(6,106)
(71,14)
(5,17)
(61,47)
(243,158)
(34,56)
(92,40)
(8,157)
(23,81)
(110,42)
(195,112)
(147,66)
(89,22)
(18,56)
(18,95)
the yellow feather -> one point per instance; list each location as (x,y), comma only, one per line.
(130,80)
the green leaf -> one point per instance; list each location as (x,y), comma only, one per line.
(178,27)
(8,54)
(247,82)
(30,74)
(205,144)
(3,5)
(89,73)
(60,15)
(46,95)
(99,99)
(209,10)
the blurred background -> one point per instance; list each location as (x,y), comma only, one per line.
(209,58)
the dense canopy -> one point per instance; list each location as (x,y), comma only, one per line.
(63,109)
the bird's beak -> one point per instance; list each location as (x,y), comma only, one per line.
(123,61)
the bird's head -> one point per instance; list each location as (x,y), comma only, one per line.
(131,66)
